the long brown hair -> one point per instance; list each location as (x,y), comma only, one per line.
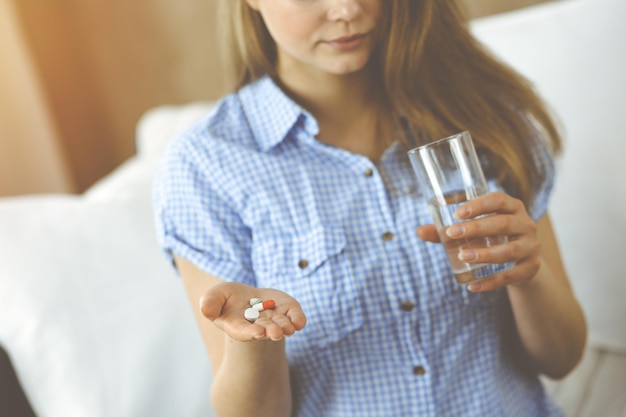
(435,74)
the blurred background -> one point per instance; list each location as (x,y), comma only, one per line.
(77,75)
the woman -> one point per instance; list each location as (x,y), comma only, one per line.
(297,189)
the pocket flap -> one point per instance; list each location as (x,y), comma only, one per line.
(311,250)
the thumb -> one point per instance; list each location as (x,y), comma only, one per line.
(212,302)
(428,233)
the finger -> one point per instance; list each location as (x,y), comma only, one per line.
(513,251)
(297,318)
(293,311)
(506,225)
(489,203)
(428,233)
(520,273)
(212,302)
(272,329)
(241,329)
(285,324)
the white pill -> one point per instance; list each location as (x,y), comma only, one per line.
(251,314)
(254,301)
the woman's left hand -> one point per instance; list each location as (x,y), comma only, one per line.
(505,215)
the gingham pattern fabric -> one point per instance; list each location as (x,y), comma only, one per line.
(249,195)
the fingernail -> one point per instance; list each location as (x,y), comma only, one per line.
(474,286)
(467,255)
(455,231)
(462,212)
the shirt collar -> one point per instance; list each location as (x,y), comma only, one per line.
(272,114)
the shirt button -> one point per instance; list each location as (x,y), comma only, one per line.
(419,370)
(369,172)
(407,306)
(303,264)
(387,236)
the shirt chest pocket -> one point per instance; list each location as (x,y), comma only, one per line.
(314,269)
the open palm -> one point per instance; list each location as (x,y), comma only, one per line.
(225,303)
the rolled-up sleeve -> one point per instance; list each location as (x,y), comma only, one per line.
(195,217)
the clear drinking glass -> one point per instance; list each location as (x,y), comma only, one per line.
(449,174)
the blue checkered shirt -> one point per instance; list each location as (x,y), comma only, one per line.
(249,195)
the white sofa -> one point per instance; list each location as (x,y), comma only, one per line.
(97,324)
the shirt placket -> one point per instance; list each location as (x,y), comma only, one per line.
(393,193)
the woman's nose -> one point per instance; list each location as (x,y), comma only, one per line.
(344,9)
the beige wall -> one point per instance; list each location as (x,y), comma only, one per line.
(96,67)
(77,75)
(30,158)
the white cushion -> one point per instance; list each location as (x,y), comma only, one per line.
(94,320)
(158,125)
(573,51)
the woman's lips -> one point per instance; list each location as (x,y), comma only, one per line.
(347,43)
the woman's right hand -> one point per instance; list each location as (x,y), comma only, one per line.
(224,304)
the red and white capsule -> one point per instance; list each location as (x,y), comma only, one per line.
(264,305)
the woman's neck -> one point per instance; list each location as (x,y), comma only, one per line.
(348,111)
(325,94)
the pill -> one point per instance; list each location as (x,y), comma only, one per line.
(251,314)
(254,301)
(264,305)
